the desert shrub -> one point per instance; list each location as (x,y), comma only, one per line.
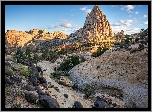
(62,51)
(19,53)
(9,72)
(88,90)
(56,75)
(127,40)
(17,65)
(69,63)
(25,72)
(36,57)
(99,52)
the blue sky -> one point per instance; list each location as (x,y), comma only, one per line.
(69,18)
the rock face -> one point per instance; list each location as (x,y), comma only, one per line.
(18,38)
(120,70)
(120,36)
(96,26)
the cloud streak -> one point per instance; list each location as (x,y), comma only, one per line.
(146,22)
(127,7)
(123,23)
(85,9)
(145,16)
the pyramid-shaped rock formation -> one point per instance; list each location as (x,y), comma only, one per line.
(96,26)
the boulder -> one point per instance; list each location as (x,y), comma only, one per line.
(77,105)
(31,96)
(42,80)
(48,102)
(64,81)
(29,87)
(33,81)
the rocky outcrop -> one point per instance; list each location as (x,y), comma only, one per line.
(19,38)
(96,28)
(120,36)
(120,70)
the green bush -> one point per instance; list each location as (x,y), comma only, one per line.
(99,52)
(69,63)
(25,72)
(36,57)
(56,75)
(9,72)
(88,90)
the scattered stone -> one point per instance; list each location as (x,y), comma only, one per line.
(77,105)
(39,91)
(8,82)
(42,80)
(45,85)
(30,87)
(75,86)
(7,63)
(33,81)
(65,95)
(114,104)
(99,104)
(16,79)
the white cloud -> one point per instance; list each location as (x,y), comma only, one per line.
(146,22)
(85,9)
(65,24)
(130,12)
(145,16)
(123,23)
(128,7)
(126,22)
(136,12)
(132,31)
(117,29)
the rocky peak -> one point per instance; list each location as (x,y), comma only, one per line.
(96,26)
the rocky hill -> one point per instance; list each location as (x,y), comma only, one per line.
(19,39)
(117,70)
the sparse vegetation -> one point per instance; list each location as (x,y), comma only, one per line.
(99,52)
(88,90)
(25,72)
(9,72)
(56,75)
(69,63)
